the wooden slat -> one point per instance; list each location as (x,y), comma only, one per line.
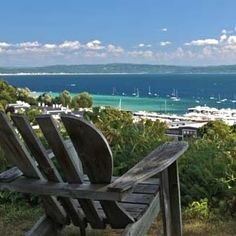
(68,166)
(138,198)
(15,151)
(36,148)
(10,175)
(96,157)
(151,165)
(141,227)
(43,227)
(17,154)
(146,188)
(46,165)
(80,191)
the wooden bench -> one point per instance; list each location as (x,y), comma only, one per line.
(130,202)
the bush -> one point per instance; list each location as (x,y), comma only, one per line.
(208,168)
(197,210)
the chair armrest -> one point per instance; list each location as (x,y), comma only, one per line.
(154,163)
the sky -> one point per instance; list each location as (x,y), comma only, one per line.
(172,32)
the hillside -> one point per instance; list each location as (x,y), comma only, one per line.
(121,68)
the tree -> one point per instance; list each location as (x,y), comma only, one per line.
(46,99)
(83,100)
(129,141)
(24,94)
(65,98)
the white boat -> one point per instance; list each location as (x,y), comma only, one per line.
(149,91)
(174,96)
(205,113)
(137,95)
(113,91)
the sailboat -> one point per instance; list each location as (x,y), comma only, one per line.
(149,91)
(174,96)
(113,91)
(137,95)
(134,93)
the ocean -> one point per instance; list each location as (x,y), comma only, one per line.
(135,92)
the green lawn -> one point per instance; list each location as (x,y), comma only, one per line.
(15,220)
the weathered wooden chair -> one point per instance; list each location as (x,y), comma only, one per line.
(130,202)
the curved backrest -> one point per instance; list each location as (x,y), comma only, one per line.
(96,158)
(92,148)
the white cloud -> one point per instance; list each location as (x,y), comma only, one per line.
(165,43)
(70,45)
(50,46)
(164,29)
(29,44)
(224,31)
(223,37)
(4,45)
(95,45)
(141,53)
(115,50)
(142,45)
(232,39)
(203,42)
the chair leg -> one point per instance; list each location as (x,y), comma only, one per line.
(82,231)
(175,203)
(165,202)
(43,227)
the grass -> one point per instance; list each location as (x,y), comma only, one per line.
(17,219)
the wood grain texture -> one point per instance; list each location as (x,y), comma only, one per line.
(165,203)
(16,153)
(80,191)
(141,227)
(151,165)
(46,166)
(92,148)
(175,203)
(96,158)
(10,175)
(68,166)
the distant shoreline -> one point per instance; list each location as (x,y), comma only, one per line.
(62,73)
(112,73)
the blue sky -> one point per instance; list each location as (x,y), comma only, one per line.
(181,32)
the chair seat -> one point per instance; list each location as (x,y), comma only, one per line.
(138,201)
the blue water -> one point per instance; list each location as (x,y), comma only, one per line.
(190,88)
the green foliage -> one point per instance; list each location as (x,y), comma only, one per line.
(82,100)
(24,94)
(31,113)
(129,141)
(8,94)
(65,98)
(208,168)
(198,210)
(46,99)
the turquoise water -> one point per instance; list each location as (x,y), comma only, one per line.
(217,90)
